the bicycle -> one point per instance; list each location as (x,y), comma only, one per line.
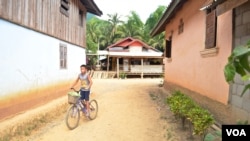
(73,113)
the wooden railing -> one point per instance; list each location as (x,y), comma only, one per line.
(146,69)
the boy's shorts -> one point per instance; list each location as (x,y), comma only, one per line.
(84,95)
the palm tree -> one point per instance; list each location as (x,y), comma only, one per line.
(105,38)
(92,34)
(98,32)
(154,17)
(114,20)
(106,32)
(133,27)
(157,41)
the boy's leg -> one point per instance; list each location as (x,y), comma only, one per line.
(86,98)
(82,95)
(87,105)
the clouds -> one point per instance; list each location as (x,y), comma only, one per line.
(123,8)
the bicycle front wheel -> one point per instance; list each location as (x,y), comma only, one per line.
(72,117)
(93,107)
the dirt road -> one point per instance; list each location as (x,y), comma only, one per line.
(129,110)
(126,113)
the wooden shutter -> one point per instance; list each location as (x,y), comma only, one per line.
(64,7)
(211,30)
(168,49)
(63,56)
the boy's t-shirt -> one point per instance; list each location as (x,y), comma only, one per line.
(84,81)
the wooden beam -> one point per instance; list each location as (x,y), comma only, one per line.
(117,67)
(228,5)
(108,64)
(141,68)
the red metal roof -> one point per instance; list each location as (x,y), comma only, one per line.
(126,42)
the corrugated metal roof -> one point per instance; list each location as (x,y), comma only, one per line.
(136,54)
(128,54)
(207,4)
(91,7)
(174,6)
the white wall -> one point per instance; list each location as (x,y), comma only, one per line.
(135,49)
(30,59)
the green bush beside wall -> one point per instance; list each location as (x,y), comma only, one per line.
(183,106)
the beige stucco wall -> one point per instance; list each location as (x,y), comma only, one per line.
(187,67)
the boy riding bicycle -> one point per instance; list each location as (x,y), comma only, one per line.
(86,83)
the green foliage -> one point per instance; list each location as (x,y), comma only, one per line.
(214,136)
(183,106)
(217,135)
(107,32)
(179,103)
(238,63)
(90,16)
(123,75)
(16,132)
(133,27)
(240,122)
(201,119)
(157,41)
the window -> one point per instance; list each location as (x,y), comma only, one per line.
(64,9)
(168,48)
(211,22)
(181,27)
(135,61)
(63,56)
(81,18)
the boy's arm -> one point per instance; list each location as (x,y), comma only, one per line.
(76,81)
(90,81)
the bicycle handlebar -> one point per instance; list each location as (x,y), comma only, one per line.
(74,90)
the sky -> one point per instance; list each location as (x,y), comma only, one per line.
(123,7)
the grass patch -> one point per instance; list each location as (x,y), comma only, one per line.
(153,96)
(169,134)
(26,128)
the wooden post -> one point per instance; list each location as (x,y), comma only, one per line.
(108,64)
(117,67)
(141,68)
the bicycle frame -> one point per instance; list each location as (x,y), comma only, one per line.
(73,113)
(80,103)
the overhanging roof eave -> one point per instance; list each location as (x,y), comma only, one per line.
(168,14)
(121,56)
(91,7)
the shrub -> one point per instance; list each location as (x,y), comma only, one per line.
(123,75)
(183,106)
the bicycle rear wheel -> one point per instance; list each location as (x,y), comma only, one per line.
(72,117)
(93,107)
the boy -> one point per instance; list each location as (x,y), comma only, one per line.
(86,83)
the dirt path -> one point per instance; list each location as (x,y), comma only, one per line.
(126,113)
(129,110)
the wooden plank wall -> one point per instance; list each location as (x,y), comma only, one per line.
(45,16)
